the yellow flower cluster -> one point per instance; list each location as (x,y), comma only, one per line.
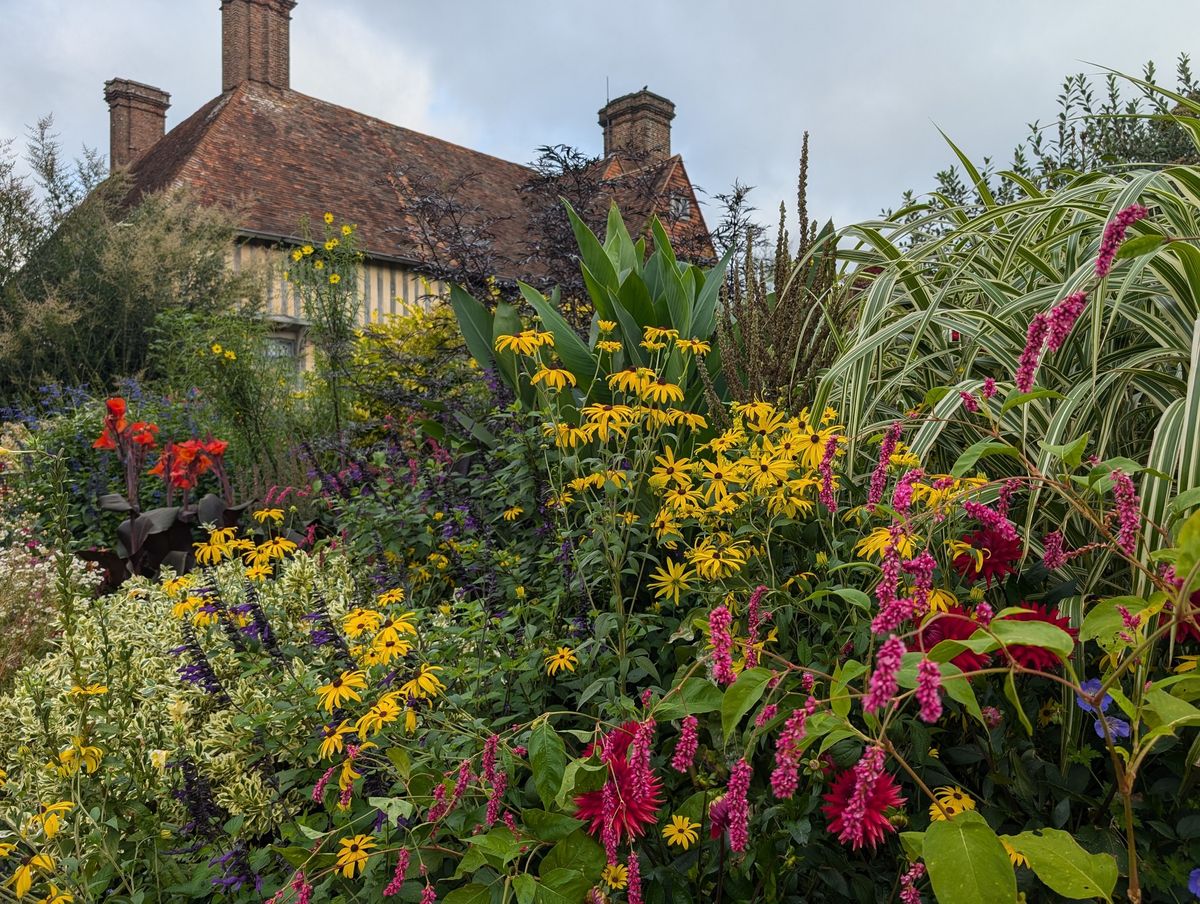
(223,544)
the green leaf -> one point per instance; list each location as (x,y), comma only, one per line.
(857,597)
(578,853)
(967,863)
(470,894)
(1033,634)
(475,323)
(1142,244)
(694,697)
(580,777)
(574,354)
(741,696)
(499,842)
(549,826)
(1103,622)
(982,449)
(1185,501)
(548,758)
(526,888)
(1071,454)
(1064,866)
(913,844)
(1010,691)
(935,395)
(563,886)
(1189,547)
(1024,398)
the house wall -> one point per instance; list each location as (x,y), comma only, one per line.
(385,288)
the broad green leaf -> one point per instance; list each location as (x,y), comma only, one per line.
(580,777)
(548,758)
(1189,547)
(563,886)
(1010,691)
(1033,634)
(1071,454)
(967,863)
(549,826)
(526,888)
(741,696)
(982,449)
(1024,398)
(475,323)
(578,853)
(855,596)
(1142,244)
(1064,866)
(1103,622)
(694,697)
(470,894)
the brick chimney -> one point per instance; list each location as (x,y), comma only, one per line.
(137,119)
(255,42)
(640,122)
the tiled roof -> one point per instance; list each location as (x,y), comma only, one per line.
(275,156)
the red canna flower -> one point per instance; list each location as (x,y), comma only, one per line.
(106,440)
(954,624)
(631,813)
(1038,657)
(116,407)
(216,447)
(996,554)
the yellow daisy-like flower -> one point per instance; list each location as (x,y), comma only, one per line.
(6,848)
(401,623)
(606,326)
(274,548)
(682,831)
(875,544)
(230,355)
(328,217)
(526,342)
(331,244)
(1015,857)
(54,896)
(695,346)
(342,688)
(268,514)
(670,580)
(353,854)
(953,800)
(941,600)
(658,333)
(79,756)
(359,621)
(388,597)
(259,571)
(631,379)
(554,377)
(609,345)
(49,816)
(615,876)
(212,553)
(89,690)
(216,348)
(347,229)
(297,254)
(512,513)
(562,658)
(334,279)
(425,683)
(319,265)
(307,250)
(386,647)
(662,392)
(22,877)
(171,586)
(670,469)
(372,721)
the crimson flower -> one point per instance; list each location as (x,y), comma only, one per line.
(884,795)
(216,447)
(116,407)
(954,624)
(994,558)
(632,813)
(1038,657)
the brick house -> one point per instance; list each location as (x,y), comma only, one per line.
(275,157)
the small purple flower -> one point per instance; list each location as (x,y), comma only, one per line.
(1194,882)
(1091,687)
(1118,728)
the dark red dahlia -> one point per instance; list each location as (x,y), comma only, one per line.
(995,557)
(884,795)
(631,812)
(1038,657)
(953,624)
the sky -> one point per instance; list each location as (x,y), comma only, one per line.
(871,81)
